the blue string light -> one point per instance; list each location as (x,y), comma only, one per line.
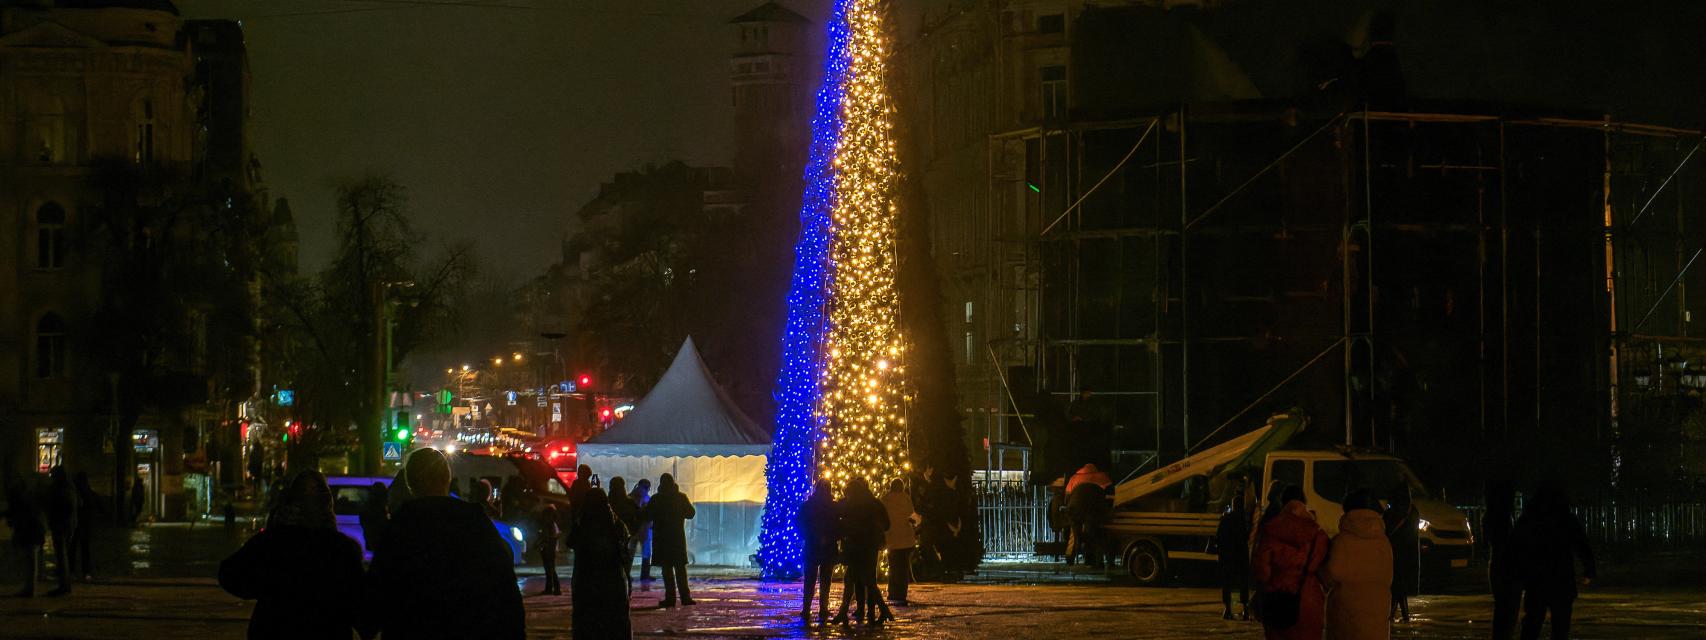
(789,471)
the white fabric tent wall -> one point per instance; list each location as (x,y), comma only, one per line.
(727,491)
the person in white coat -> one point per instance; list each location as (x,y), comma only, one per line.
(1358,574)
(902,539)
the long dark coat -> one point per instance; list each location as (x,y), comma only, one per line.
(1401,521)
(306,580)
(820,531)
(1545,545)
(668,512)
(599,588)
(28,528)
(1232,538)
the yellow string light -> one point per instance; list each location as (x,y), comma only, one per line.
(863,397)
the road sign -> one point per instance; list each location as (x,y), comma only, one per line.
(509,398)
(392,451)
(540,399)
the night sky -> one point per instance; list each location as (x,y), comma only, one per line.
(501,120)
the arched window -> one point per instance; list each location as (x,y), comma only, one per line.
(50,236)
(145,132)
(50,346)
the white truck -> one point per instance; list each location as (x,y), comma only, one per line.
(1170,515)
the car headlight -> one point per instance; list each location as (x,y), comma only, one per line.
(1423,524)
(515,532)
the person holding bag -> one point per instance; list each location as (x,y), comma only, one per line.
(1286,566)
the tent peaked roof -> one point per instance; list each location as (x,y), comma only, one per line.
(686,407)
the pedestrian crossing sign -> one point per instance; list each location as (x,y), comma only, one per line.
(392,451)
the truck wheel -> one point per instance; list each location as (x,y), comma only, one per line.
(1147,564)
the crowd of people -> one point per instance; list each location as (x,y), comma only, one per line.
(853,532)
(66,512)
(440,569)
(1354,585)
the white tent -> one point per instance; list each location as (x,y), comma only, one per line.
(687,426)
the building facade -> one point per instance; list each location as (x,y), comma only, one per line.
(106,107)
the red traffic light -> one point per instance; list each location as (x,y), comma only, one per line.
(585,380)
(604,413)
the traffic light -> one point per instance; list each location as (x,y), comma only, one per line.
(584,381)
(400,427)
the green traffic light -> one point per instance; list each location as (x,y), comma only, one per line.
(403,435)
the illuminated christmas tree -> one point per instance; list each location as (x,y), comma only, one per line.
(840,395)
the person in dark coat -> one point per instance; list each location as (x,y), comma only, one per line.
(627,512)
(1288,559)
(1230,538)
(578,488)
(139,497)
(375,515)
(443,571)
(599,590)
(668,512)
(59,505)
(304,575)
(29,532)
(864,523)
(82,554)
(547,537)
(1496,523)
(1401,520)
(640,538)
(1546,542)
(819,534)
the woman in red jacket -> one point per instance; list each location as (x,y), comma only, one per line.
(1287,561)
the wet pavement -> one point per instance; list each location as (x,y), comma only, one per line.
(156,583)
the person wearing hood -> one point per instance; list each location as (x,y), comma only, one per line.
(599,592)
(442,570)
(304,575)
(1358,574)
(1546,542)
(669,512)
(902,539)
(1286,566)
(640,538)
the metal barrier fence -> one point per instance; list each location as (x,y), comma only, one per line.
(1634,524)
(1014,516)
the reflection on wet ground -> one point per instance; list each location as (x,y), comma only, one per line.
(157,581)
